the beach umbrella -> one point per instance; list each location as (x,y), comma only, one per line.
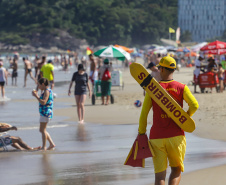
(191,54)
(186,50)
(112,52)
(136,54)
(161,50)
(197,47)
(215,48)
(124,48)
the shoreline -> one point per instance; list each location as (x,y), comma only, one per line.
(209,118)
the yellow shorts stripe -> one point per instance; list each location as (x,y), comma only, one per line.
(168,149)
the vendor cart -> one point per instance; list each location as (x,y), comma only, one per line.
(208,80)
(97,92)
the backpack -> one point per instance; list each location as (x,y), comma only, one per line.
(106,75)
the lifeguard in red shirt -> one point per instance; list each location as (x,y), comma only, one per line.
(166,137)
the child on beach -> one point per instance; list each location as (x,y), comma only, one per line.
(45,110)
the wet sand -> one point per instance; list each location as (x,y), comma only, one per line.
(93,153)
(210,117)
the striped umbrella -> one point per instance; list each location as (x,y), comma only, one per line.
(112,52)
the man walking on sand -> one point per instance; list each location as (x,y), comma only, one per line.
(197,70)
(166,137)
(14,72)
(36,62)
(93,70)
(28,70)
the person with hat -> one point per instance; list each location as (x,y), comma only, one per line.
(47,71)
(166,137)
(3,78)
(80,78)
(105,77)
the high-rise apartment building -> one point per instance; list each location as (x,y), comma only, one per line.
(204,19)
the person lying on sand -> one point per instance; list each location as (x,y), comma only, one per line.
(15,142)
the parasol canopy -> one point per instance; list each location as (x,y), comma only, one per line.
(124,48)
(191,54)
(215,48)
(112,52)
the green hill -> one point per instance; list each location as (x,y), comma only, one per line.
(100,22)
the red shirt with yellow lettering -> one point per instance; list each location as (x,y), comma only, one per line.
(163,126)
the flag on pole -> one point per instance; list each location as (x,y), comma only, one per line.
(88,51)
(171,30)
(178,34)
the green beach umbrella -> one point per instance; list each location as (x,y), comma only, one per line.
(112,52)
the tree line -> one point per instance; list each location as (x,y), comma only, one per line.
(100,22)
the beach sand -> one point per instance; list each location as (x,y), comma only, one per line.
(210,117)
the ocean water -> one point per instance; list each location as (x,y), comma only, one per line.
(86,154)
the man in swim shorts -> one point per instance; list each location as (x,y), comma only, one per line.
(14,72)
(15,142)
(28,70)
(93,69)
(166,137)
(197,70)
(36,62)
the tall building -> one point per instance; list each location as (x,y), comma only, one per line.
(204,19)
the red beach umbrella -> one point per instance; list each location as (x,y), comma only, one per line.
(215,48)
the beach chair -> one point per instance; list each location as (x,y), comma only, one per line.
(4,137)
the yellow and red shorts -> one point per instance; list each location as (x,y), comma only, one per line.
(168,149)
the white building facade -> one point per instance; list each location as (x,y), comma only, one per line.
(204,19)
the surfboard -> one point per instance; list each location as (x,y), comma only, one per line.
(162,97)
